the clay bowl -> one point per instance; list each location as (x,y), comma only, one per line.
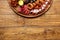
(31,16)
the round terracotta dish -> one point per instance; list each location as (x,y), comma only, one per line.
(30,8)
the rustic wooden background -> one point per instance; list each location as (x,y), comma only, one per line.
(14,27)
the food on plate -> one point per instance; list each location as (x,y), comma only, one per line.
(30,7)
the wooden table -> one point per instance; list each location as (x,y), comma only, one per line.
(14,27)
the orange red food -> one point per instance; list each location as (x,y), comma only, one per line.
(27,7)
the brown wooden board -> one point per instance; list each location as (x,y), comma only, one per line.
(15,27)
(29,33)
(10,18)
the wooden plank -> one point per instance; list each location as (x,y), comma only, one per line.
(14,27)
(7,17)
(50,18)
(29,33)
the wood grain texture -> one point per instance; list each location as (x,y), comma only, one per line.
(14,27)
(28,33)
(9,18)
(50,18)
